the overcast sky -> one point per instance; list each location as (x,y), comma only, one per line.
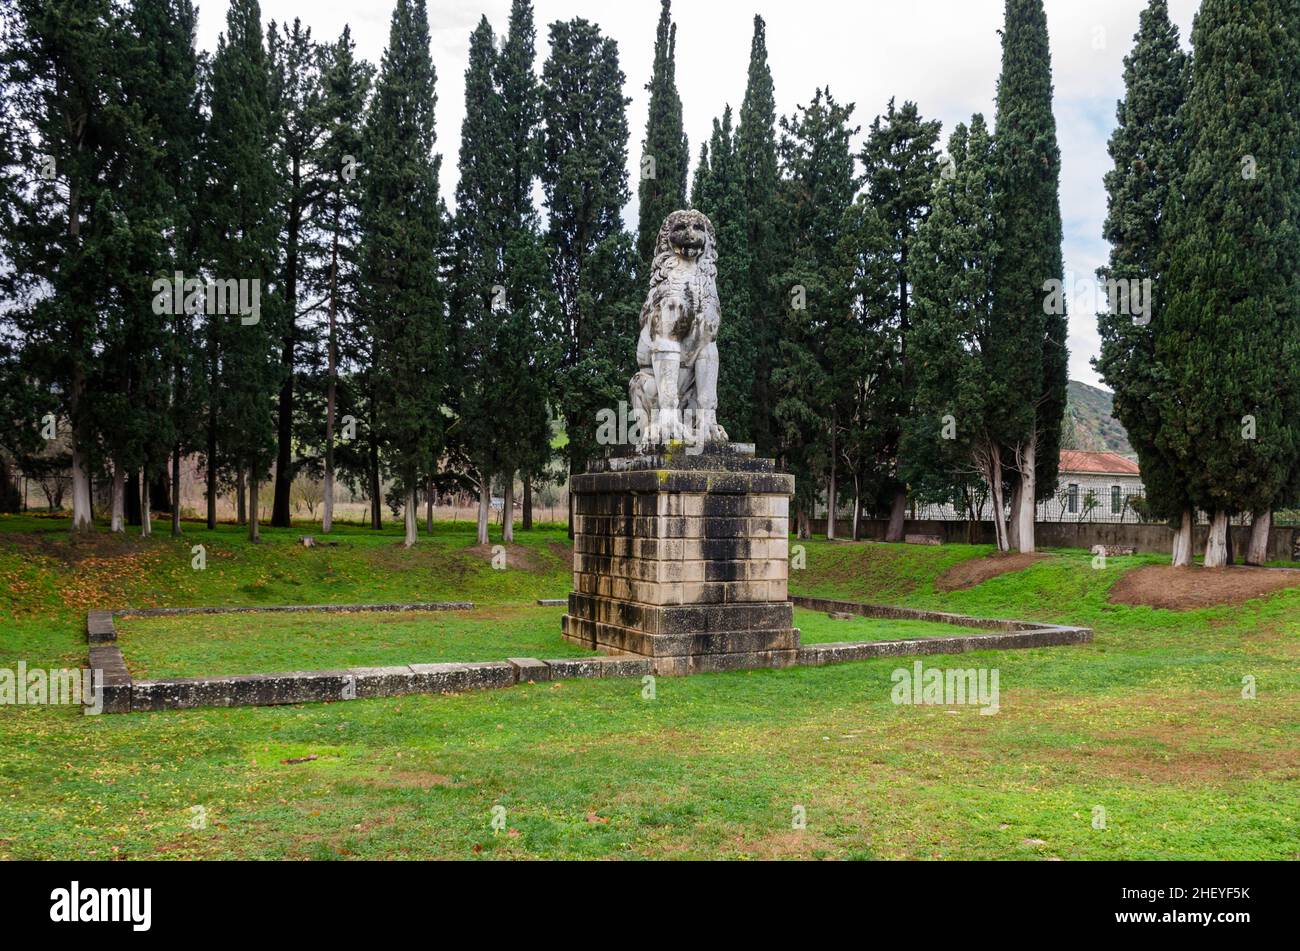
(944,54)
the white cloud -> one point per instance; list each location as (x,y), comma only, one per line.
(944,54)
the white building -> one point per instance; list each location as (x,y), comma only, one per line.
(1093,487)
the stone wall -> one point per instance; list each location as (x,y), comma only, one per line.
(1145,538)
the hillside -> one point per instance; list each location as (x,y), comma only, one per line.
(1094,427)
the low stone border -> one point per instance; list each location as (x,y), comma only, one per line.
(1013,635)
(123,695)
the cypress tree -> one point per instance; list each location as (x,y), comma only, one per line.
(345,86)
(243,200)
(665,153)
(1147,150)
(479,243)
(1230,414)
(401,224)
(1029,264)
(296,107)
(593,261)
(756,153)
(900,162)
(719,191)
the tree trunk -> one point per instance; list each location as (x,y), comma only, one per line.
(1229,543)
(117,519)
(1025,460)
(1260,526)
(1183,541)
(857,510)
(897,516)
(995,490)
(81,518)
(176,491)
(1216,544)
(528,504)
(484,506)
(411,503)
(131,500)
(804,522)
(280,516)
(211,464)
(1013,529)
(376,490)
(831,495)
(146,513)
(428,506)
(508,510)
(254,530)
(241,503)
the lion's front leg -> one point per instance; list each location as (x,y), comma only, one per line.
(706,396)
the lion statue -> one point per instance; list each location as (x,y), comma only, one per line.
(677,351)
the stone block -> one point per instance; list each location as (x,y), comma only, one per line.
(529,669)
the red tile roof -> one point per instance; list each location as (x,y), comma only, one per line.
(1099,463)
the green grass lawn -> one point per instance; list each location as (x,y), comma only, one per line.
(1147,722)
(209,645)
(816,627)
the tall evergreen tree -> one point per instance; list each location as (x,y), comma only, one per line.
(719,191)
(665,153)
(965,405)
(345,82)
(65,104)
(299,125)
(173,82)
(1028,216)
(593,270)
(401,223)
(807,379)
(901,163)
(1230,414)
(756,153)
(243,198)
(1147,148)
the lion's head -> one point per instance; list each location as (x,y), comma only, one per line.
(687,234)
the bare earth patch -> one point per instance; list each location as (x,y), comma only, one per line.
(968,574)
(1180,589)
(519,557)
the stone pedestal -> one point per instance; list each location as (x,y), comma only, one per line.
(683,558)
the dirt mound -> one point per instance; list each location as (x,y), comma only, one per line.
(968,574)
(1180,589)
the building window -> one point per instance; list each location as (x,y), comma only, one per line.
(1072,502)
(1116,500)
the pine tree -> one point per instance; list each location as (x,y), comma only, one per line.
(901,163)
(665,153)
(1230,413)
(719,191)
(401,224)
(817,192)
(593,269)
(1147,149)
(963,404)
(1028,216)
(243,199)
(756,153)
